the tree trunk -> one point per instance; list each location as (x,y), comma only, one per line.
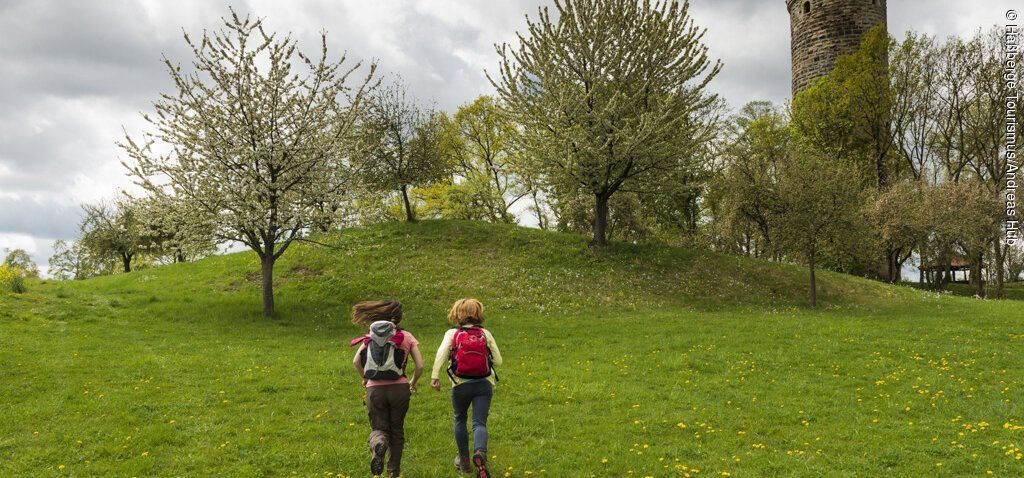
(126,260)
(882,176)
(600,220)
(947,276)
(921,275)
(540,212)
(1000,258)
(890,262)
(409,216)
(976,277)
(814,283)
(894,263)
(267,266)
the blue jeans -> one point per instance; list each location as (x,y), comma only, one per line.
(479,395)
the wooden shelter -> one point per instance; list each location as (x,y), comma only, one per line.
(934,269)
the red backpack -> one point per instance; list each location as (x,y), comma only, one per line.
(470,357)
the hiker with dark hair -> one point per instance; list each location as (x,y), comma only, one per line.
(471,353)
(380,362)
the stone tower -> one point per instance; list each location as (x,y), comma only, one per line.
(824,30)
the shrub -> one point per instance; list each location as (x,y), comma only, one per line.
(12,278)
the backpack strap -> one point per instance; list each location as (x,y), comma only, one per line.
(397,339)
(405,356)
(451,354)
(490,358)
(454,347)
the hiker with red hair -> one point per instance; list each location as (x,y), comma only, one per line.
(471,353)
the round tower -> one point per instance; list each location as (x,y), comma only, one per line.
(823,30)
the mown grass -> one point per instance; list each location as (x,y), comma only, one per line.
(1011,291)
(645,361)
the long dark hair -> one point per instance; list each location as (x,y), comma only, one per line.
(370,311)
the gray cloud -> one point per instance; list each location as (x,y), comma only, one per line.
(751,38)
(74,49)
(44,219)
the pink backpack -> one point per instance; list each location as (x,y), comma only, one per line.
(470,357)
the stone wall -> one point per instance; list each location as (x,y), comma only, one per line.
(830,29)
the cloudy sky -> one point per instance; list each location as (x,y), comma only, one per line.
(73,73)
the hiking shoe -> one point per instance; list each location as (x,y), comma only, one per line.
(480,460)
(394,474)
(462,464)
(377,462)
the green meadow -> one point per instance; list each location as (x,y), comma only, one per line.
(644,361)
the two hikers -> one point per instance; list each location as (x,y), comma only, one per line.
(470,352)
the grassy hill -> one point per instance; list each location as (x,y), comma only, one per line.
(644,361)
